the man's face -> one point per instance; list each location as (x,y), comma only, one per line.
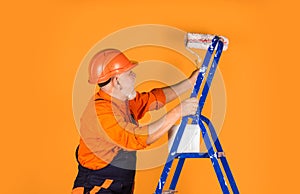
(127,81)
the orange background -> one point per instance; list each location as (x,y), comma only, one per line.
(43,43)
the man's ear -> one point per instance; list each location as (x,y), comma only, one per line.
(115,82)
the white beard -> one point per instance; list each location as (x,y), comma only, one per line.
(128,91)
(132,95)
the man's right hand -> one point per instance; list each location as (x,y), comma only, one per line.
(189,106)
(162,125)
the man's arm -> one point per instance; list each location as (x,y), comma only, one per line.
(130,136)
(161,126)
(172,92)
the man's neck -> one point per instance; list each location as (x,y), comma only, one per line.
(115,94)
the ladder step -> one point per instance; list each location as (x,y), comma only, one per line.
(198,155)
(170,191)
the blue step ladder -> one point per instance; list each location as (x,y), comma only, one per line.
(215,151)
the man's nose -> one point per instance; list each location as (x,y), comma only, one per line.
(133,74)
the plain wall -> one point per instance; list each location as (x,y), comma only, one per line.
(44,42)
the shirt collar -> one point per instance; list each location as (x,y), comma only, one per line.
(103,95)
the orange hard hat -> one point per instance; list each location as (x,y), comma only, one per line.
(108,63)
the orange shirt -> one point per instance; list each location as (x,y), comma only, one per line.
(109,125)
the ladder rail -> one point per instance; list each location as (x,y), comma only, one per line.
(201,120)
(214,159)
(177,173)
(220,149)
(208,81)
(196,119)
(185,119)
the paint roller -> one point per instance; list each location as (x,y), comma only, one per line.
(201,41)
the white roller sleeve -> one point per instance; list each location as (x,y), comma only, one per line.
(190,141)
(202,41)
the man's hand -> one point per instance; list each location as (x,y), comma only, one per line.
(189,106)
(162,125)
(193,77)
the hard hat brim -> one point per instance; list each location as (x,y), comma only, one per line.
(107,76)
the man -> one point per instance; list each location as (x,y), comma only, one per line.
(109,129)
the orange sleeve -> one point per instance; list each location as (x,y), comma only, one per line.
(147,101)
(122,133)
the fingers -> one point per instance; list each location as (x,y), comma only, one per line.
(194,102)
(189,106)
(194,76)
